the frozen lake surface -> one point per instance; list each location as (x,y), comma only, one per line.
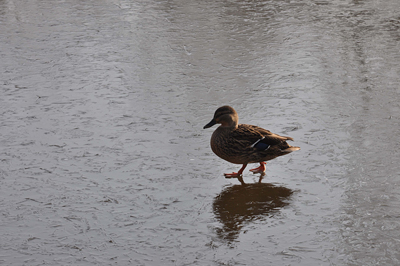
(103,159)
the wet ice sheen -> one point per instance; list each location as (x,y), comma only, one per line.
(103,159)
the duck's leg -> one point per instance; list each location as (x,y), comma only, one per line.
(238,174)
(260,169)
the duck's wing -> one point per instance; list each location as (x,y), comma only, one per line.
(254,133)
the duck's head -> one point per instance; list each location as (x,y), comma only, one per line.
(226,116)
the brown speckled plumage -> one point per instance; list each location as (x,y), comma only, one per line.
(233,142)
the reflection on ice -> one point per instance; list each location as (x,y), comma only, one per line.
(239,205)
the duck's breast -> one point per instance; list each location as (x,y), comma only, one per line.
(228,148)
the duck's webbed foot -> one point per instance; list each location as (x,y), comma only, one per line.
(260,169)
(237,175)
(233,175)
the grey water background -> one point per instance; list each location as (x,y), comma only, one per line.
(103,159)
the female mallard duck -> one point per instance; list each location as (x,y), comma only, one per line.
(243,144)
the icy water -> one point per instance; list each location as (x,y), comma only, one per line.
(103,159)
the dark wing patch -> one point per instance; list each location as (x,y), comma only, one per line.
(262,146)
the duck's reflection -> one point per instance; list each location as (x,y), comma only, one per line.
(238,205)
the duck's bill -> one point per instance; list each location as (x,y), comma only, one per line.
(212,122)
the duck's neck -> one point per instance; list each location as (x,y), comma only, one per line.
(230,122)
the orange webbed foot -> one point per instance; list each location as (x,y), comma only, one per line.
(260,169)
(237,175)
(232,175)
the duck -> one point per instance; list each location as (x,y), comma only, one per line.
(244,144)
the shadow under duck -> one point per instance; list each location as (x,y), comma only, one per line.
(244,144)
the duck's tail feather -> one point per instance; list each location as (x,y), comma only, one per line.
(288,150)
